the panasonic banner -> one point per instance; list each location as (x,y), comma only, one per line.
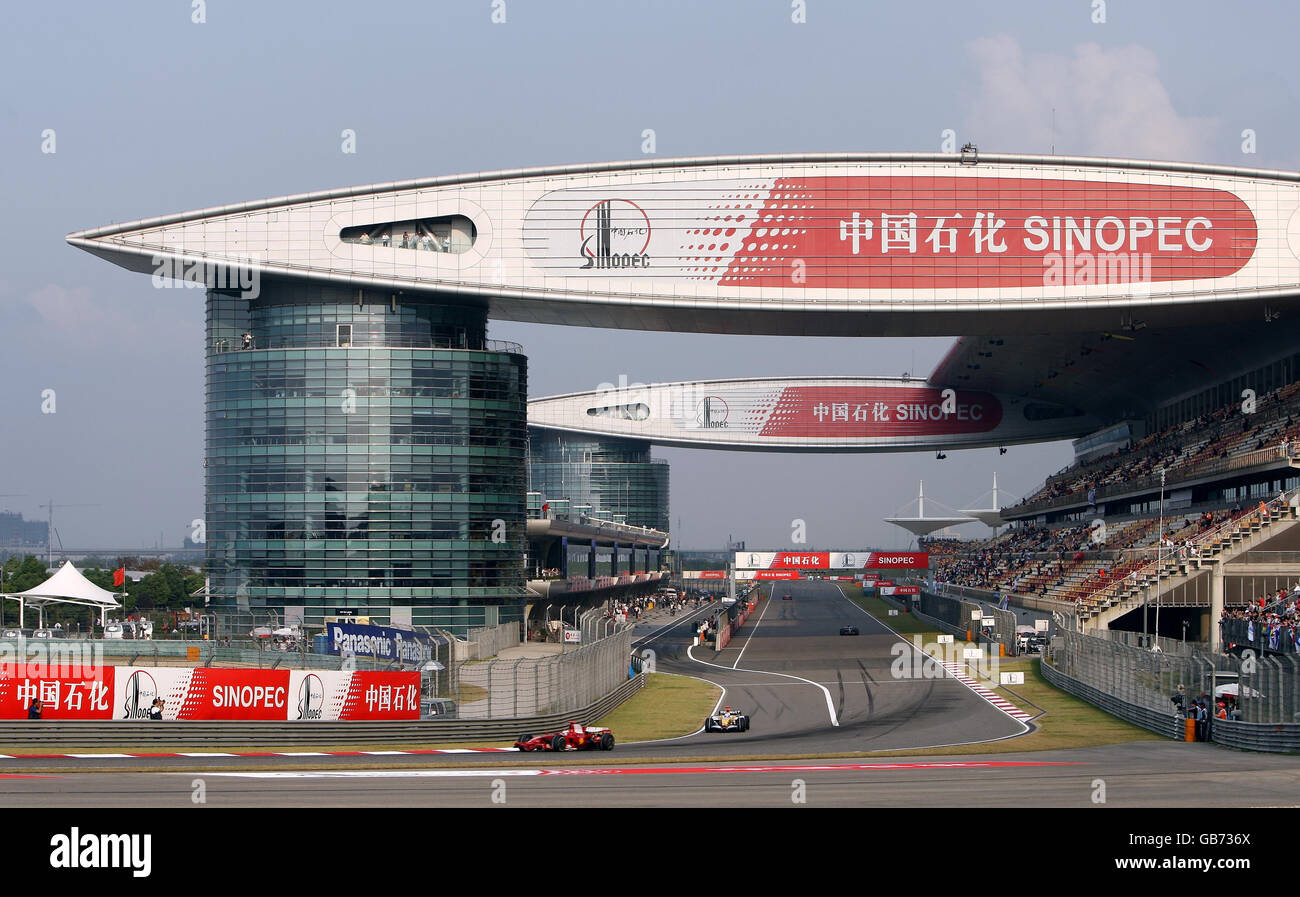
(379,642)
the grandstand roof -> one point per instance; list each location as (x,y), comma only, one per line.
(1114,373)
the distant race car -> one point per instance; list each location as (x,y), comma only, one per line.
(727,720)
(848,630)
(786,597)
(576,737)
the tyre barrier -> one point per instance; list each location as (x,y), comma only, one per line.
(209,735)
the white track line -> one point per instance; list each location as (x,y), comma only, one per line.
(830,705)
(655,635)
(751,634)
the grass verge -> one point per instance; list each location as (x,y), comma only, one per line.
(1063,721)
(667,707)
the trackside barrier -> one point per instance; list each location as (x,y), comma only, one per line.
(723,636)
(955,616)
(1162,722)
(727,632)
(1137,684)
(536,686)
(489,641)
(73,735)
(945,614)
(1272,737)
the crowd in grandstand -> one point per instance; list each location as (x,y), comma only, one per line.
(1071,563)
(1274,619)
(1179,448)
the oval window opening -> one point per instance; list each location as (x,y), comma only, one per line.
(638,411)
(450,233)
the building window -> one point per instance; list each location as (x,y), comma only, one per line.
(448,233)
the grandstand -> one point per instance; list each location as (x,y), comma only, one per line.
(1195,517)
(1216,443)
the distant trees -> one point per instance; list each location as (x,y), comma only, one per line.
(166,589)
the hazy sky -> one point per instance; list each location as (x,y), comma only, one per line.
(153,113)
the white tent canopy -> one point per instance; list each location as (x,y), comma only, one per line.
(66,586)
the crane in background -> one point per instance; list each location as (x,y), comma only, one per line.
(52,534)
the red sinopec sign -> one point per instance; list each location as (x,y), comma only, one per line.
(879,411)
(907,590)
(802,560)
(923,232)
(85,696)
(909,560)
(776,574)
(235,694)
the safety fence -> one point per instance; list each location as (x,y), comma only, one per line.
(47,735)
(1163,721)
(1149,640)
(533,686)
(597,624)
(1150,688)
(489,641)
(1065,613)
(965,619)
(172,652)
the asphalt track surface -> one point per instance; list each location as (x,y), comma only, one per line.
(1141,774)
(808,691)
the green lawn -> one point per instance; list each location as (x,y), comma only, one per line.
(903,624)
(1063,720)
(668,706)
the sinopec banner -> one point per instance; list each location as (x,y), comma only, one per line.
(832,560)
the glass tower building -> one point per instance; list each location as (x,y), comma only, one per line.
(365,449)
(613,476)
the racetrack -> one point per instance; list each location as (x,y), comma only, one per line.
(809,691)
(1134,775)
(774,665)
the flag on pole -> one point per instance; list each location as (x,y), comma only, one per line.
(119,577)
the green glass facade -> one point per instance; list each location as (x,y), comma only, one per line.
(364,450)
(613,476)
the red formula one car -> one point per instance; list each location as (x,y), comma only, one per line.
(576,737)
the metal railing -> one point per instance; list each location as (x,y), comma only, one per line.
(1262,689)
(1205,548)
(1260,637)
(489,641)
(362,339)
(1254,458)
(533,686)
(1268,557)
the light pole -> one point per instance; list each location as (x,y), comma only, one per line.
(1159,552)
